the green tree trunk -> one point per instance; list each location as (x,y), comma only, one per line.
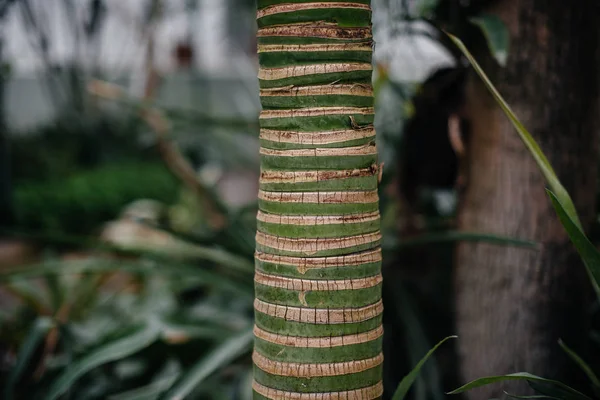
(318,258)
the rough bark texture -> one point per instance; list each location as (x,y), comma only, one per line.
(318,258)
(514,304)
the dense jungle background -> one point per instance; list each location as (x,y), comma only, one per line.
(129,170)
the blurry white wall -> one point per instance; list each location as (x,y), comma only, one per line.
(119,52)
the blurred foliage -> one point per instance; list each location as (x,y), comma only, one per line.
(68,145)
(120,326)
(80,203)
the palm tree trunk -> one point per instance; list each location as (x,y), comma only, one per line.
(318,258)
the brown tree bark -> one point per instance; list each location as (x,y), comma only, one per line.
(513,305)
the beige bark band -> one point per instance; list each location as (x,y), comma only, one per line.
(277,176)
(294,71)
(355,89)
(362,197)
(307,285)
(364,257)
(316,112)
(312,220)
(311,246)
(368,393)
(293,7)
(321,137)
(321,30)
(305,370)
(320,316)
(310,48)
(364,150)
(319,342)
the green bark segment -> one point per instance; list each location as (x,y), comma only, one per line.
(318,258)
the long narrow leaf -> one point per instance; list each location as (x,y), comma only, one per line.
(218,358)
(455,236)
(103,266)
(36,335)
(519,376)
(187,251)
(123,347)
(525,136)
(552,390)
(582,364)
(588,252)
(173,331)
(409,379)
(30,294)
(428,381)
(149,392)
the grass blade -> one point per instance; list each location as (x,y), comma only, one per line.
(428,382)
(115,350)
(520,376)
(218,358)
(582,364)
(409,379)
(149,392)
(525,136)
(31,294)
(587,251)
(100,266)
(36,335)
(456,236)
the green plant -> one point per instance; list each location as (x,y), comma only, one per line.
(103,328)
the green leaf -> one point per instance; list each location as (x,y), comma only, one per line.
(409,379)
(216,359)
(30,294)
(551,390)
(428,383)
(100,266)
(115,350)
(530,143)
(497,35)
(455,236)
(582,364)
(36,335)
(183,250)
(588,252)
(173,330)
(56,291)
(519,376)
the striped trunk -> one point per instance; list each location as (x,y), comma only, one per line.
(318,257)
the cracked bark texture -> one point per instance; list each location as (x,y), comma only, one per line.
(513,305)
(318,309)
